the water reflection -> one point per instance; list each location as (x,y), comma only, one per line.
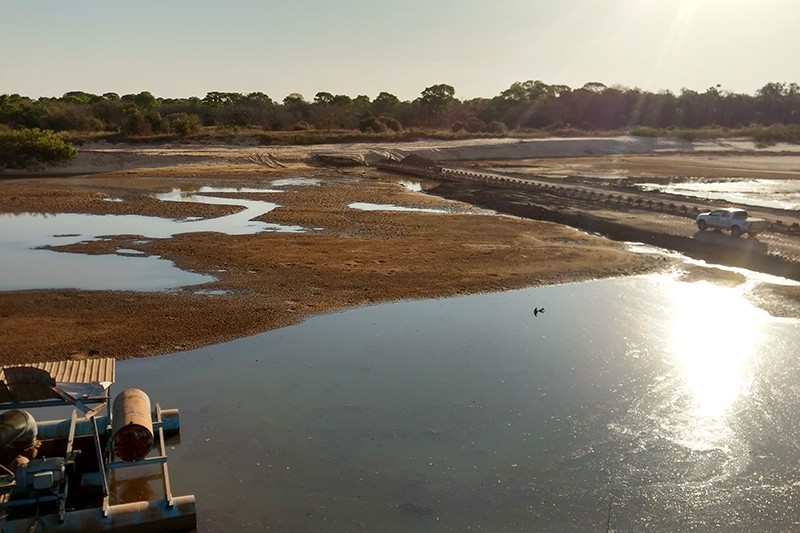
(135,484)
(284,182)
(365,206)
(129,251)
(417,185)
(25,268)
(235,224)
(468,413)
(208,189)
(715,335)
(781,194)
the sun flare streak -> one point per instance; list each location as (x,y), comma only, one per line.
(676,36)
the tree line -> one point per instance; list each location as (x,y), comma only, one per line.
(528,105)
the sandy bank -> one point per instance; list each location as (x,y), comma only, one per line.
(107,157)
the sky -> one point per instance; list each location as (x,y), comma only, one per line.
(183,48)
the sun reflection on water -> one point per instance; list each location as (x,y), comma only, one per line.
(715,333)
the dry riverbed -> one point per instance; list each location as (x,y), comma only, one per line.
(347,258)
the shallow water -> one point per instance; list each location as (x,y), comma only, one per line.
(634,404)
(27,265)
(781,194)
(240,223)
(25,269)
(416,185)
(283,182)
(366,206)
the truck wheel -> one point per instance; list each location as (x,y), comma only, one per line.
(736,231)
(702,225)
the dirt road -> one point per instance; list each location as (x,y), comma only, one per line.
(620,211)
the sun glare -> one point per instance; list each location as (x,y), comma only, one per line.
(715,333)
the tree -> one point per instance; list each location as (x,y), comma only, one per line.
(294,99)
(20,111)
(258,98)
(529,91)
(778,103)
(324,114)
(594,87)
(342,100)
(322,98)
(217,98)
(60,116)
(79,97)
(435,101)
(361,104)
(111,112)
(437,95)
(385,104)
(331,111)
(143,100)
(295,110)
(23,148)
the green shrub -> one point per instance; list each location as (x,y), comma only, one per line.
(777,133)
(457,126)
(184,124)
(496,126)
(645,131)
(23,148)
(144,123)
(372,124)
(475,125)
(391,123)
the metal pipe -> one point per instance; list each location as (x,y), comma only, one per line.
(59,429)
(151,516)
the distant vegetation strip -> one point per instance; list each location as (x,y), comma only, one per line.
(529,108)
(526,109)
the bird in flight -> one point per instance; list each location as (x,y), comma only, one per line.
(536,311)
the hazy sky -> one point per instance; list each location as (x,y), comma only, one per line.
(181,48)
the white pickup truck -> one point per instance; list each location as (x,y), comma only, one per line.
(729,218)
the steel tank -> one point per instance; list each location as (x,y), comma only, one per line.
(131,425)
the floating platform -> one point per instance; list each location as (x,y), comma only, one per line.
(56,475)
